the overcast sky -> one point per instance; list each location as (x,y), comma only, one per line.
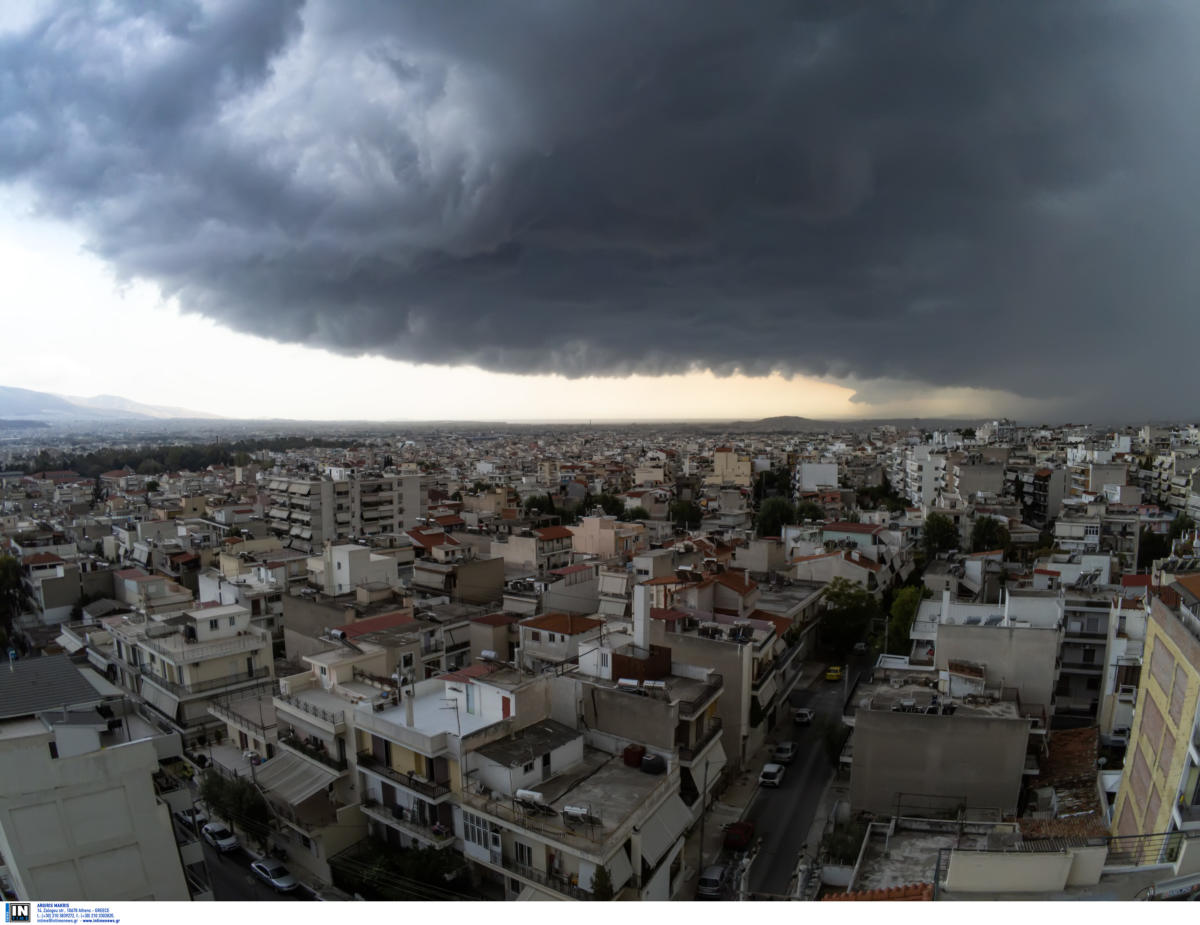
(529,210)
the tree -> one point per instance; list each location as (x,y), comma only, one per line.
(152,485)
(542,503)
(988,534)
(940,534)
(13,598)
(149,466)
(774,515)
(636,513)
(685,513)
(849,610)
(809,510)
(602,885)
(610,504)
(904,609)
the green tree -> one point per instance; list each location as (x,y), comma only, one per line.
(602,885)
(809,510)
(773,516)
(940,534)
(686,513)
(149,466)
(13,598)
(541,503)
(987,534)
(152,485)
(849,611)
(903,612)
(636,513)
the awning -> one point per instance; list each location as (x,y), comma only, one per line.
(278,513)
(664,827)
(766,693)
(160,699)
(70,643)
(619,869)
(292,779)
(716,764)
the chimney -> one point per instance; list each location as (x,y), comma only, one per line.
(641,617)
(408,710)
(945,604)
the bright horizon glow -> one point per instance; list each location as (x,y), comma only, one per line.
(79,332)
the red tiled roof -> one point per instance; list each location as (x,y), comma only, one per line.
(471,671)
(914,892)
(571,569)
(844,527)
(449,520)
(1135,581)
(43,558)
(553,533)
(563,623)
(1047,571)
(665,580)
(739,584)
(666,613)
(1189,583)
(130,574)
(383,621)
(782,624)
(430,540)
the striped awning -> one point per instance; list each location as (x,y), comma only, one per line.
(292,779)
(663,828)
(162,701)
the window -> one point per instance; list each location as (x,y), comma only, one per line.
(470,698)
(339,566)
(524,854)
(603,659)
(407,661)
(549,637)
(529,768)
(323,671)
(535,636)
(476,829)
(213,624)
(232,621)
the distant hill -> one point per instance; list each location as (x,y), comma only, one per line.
(28,405)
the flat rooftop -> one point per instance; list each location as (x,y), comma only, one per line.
(920,693)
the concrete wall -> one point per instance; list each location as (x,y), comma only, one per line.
(639,719)
(997,872)
(734,664)
(976,760)
(1017,656)
(86,828)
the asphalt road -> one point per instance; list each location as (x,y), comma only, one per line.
(784,816)
(232,880)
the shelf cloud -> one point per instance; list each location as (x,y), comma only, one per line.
(997,196)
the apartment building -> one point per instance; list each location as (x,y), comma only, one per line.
(179,664)
(606,537)
(730,468)
(1160,783)
(80,815)
(539,550)
(308,511)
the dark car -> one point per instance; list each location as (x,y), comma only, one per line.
(739,835)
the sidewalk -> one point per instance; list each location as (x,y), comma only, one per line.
(735,798)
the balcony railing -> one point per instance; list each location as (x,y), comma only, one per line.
(317,753)
(225,712)
(183,690)
(1082,666)
(689,753)
(689,708)
(333,717)
(437,835)
(201,652)
(409,781)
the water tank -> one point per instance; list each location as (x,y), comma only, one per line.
(654,764)
(633,755)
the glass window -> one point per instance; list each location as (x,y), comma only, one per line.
(213,624)
(475,829)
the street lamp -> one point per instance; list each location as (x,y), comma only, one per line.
(703,813)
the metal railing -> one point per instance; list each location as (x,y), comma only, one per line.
(224,711)
(407,780)
(201,686)
(296,744)
(403,819)
(690,707)
(333,717)
(689,753)
(558,884)
(199,652)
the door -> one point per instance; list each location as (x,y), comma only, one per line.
(546,766)
(505,708)
(250,667)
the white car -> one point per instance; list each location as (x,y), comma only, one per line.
(274,875)
(219,837)
(785,753)
(771,776)
(802,716)
(191,817)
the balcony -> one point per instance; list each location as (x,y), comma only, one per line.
(1083,667)
(438,836)
(559,884)
(189,652)
(688,754)
(200,687)
(1189,817)
(408,781)
(688,709)
(317,753)
(335,718)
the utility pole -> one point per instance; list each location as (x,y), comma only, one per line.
(703,813)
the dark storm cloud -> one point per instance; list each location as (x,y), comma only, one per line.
(1001,195)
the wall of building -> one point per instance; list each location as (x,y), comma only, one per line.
(647,720)
(86,828)
(1016,656)
(956,759)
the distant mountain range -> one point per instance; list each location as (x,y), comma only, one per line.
(808,425)
(27,405)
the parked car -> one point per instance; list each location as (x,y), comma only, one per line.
(860,648)
(191,817)
(833,673)
(274,875)
(219,837)
(772,775)
(739,835)
(712,882)
(785,752)
(802,716)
